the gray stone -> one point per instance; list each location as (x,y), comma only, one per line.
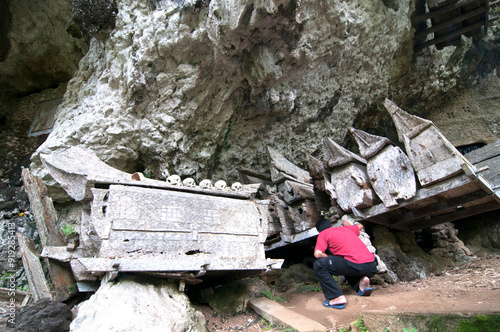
(294,275)
(138,304)
(229,299)
(44,316)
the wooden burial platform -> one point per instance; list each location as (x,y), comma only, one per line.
(433,184)
(151,226)
(452,187)
(450,19)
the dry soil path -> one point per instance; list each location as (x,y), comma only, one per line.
(473,287)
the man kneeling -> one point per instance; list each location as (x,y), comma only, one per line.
(350,258)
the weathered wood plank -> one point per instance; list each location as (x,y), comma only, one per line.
(43,210)
(279,209)
(450,35)
(391,175)
(476,198)
(335,155)
(77,178)
(461,214)
(161,263)
(294,191)
(352,187)
(441,11)
(279,164)
(50,234)
(33,268)
(433,157)
(304,215)
(435,28)
(449,188)
(369,144)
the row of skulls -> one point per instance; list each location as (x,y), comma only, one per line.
(176,180)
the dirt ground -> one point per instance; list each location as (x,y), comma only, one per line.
(473,287)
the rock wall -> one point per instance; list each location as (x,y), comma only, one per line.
(36,52)
(202,87)
(137,304)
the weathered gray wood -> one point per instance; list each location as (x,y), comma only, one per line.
(279,210)
(433,157)
(145,220)
(461,214)
(488,156)
(168,263)
(443,206)
(43,210)
(77,178)
(50,234)
(316,169)
(33,268)
(406,124)
(295,191)
(352,186)
(391,175)
(281,166)
(453,187)
(7,294)
(335,155)
(368,144)
(304,214)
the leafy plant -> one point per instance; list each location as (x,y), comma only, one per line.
(68,230)
(267,326)
(302,287)
(271,295)
(480,323)
(412,329)
(360,324)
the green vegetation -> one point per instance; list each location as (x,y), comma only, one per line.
(302,288)
(480,323)
(268,326)
(68,230)
(272,295)
(360,324)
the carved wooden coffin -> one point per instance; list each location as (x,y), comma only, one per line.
(433,157)
(147,225)
(348,180)
(389,168)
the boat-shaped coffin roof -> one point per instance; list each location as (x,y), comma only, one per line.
(368,144)
(406,124)
(335,155)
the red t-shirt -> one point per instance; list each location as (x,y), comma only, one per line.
(344,242)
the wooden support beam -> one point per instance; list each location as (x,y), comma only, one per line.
(476,198)
(464,213)
(33,268)
(441,11)
(422,34)
(50,234)
(446,37)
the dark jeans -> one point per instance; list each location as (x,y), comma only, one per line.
(333,265)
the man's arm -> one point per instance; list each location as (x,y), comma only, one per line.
(319,254)
(347,223)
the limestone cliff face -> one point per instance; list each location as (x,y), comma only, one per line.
(201,87)
(36,52)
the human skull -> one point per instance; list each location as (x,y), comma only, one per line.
(189,182)
(137,176)
(174,180)
(237,186)
(206,183)
(165,174)
(221,185)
